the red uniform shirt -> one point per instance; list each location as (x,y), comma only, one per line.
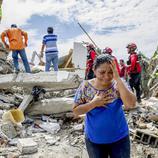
(134,66)
(92,56)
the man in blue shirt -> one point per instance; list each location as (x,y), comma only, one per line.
(51,51)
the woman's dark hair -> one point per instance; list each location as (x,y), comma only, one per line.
(101,59)
(50,29)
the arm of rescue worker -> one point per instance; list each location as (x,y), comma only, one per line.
(25,37)
(133,62)
(3,35)
(93,55)
(128,98)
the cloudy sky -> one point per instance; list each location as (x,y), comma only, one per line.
(112,23)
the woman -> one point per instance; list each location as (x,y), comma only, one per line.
(101,99)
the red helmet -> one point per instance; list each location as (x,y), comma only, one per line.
(107,50)
(90,46)
(132,46)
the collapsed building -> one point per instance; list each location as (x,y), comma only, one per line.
(50,129)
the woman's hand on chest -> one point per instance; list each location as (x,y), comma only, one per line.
(101,99)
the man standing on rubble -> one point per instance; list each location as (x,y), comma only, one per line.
(51,51)
(134,70)
(90,59)
(17,42)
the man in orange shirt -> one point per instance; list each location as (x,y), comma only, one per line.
(17,43)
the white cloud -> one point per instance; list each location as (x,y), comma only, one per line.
(137,17)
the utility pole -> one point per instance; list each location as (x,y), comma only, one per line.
(87,35)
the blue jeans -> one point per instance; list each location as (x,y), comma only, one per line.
(24,59)
(119,149)
(51,58)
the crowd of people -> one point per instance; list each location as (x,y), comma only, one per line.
(18,41)
(100,96)
(130,71)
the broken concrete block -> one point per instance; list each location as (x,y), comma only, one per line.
(7,99)
(142,125)
(8,129)
(27,146)
(56,81)
(78,127)
(51,106)
(13,155)
(154,117)
(5,106)
(145,137)
(50,127)
(52,140)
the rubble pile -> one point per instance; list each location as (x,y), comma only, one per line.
(143,125)
(5,65)
(50,129)
(59,134)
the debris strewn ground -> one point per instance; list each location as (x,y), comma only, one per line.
(50,129)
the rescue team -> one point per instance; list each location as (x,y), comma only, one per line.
(130,72)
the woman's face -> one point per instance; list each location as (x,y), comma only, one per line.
(104,73)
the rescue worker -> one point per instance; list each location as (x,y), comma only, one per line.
(109,51)
(90,59)
(134,70)
(17,42)
(123,69)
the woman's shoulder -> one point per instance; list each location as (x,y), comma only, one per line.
(83,85)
